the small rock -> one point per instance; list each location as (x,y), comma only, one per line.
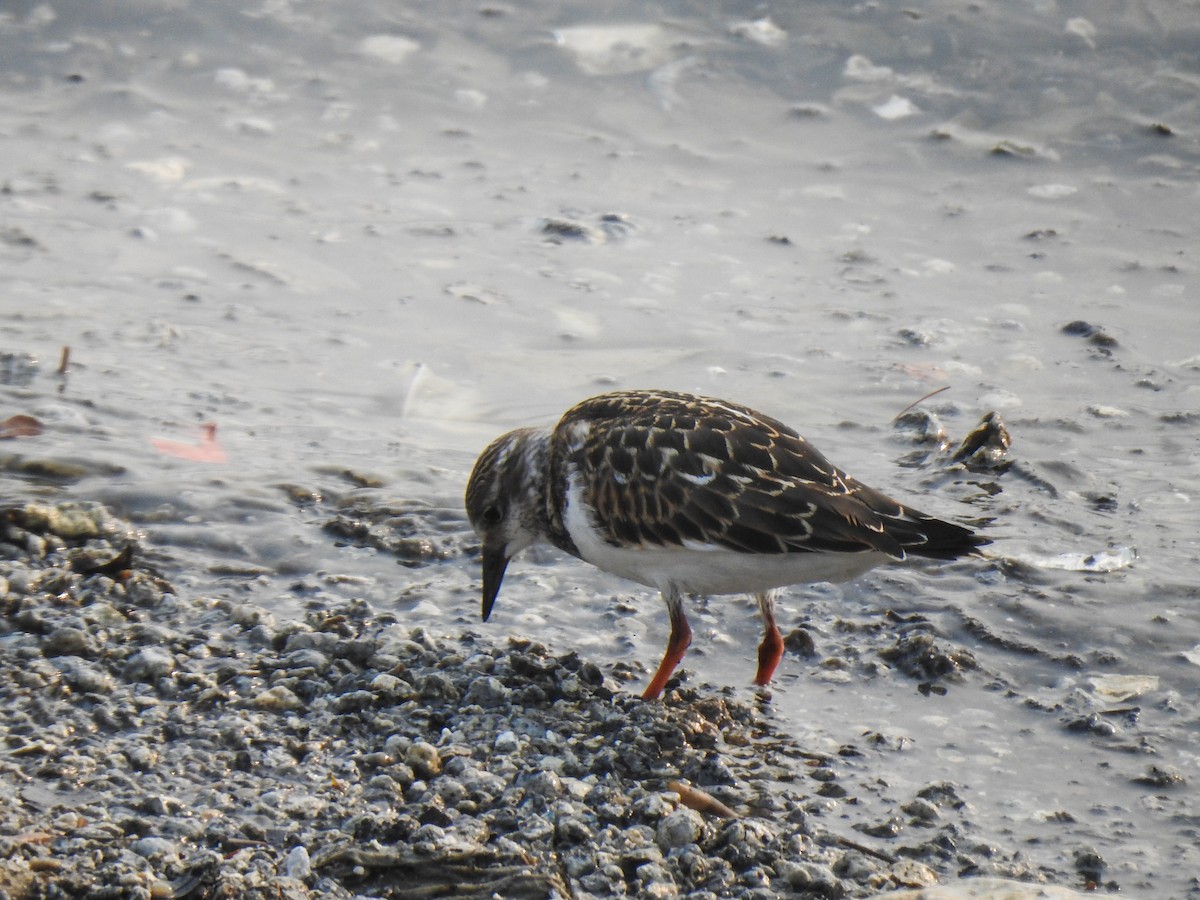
(279,698)
(1089,863)
(142,759)
(403,774)
(385,683)
(248,615)
(429,837)
(424,759)
(680,828)
(149,663)
(297,864)
(812,878)
(438,686)
(800,642)
(506,742)
(1160,777)
(656,881)
(159,805)
(910,873)
(153,847)
(653,807)
(384,787)
(83,676)
(986,446)
(352,701)
(889,828)
(921,810)
(570,830)
(79,521)
(537,828)
(855,867)
(451,791)
(1103,411)
(69,641)
(397,745)
(544,784)
(1093,333)
(306,659)
(488,692)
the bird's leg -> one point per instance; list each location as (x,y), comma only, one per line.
(677,644)
(770,651)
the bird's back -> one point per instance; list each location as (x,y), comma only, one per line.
(665,470)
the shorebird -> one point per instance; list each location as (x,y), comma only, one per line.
(690,495)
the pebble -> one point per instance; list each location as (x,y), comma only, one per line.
(543,784)
(297,864)
(921,810)
(814,879)
(386,683)
(506,742)
(227,754)
(78,674)
(149,663)
(424,759)
(678,829)
(487,692)
(69,641)
(277,698)
(153,847)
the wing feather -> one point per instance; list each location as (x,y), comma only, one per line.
(662,469)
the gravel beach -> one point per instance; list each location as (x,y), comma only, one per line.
(159,745)
(274,274)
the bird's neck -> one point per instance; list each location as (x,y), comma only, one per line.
(528,471)
(545,481)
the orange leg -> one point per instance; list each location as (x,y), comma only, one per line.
(677,644)
(770,651)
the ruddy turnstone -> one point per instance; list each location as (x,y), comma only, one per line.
(690,495)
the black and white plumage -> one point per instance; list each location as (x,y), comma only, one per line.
(690,495)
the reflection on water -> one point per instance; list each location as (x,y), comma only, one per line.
(364,241)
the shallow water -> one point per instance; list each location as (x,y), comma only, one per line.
(365,241)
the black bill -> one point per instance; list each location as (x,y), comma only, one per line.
(494,564)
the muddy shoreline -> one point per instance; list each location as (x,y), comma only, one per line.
(160,745)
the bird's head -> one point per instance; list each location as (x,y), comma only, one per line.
(506,502)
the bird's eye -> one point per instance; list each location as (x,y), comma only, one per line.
(492,515)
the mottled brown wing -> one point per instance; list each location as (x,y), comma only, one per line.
(668,469)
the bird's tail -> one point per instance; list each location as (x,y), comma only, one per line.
(937,539)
